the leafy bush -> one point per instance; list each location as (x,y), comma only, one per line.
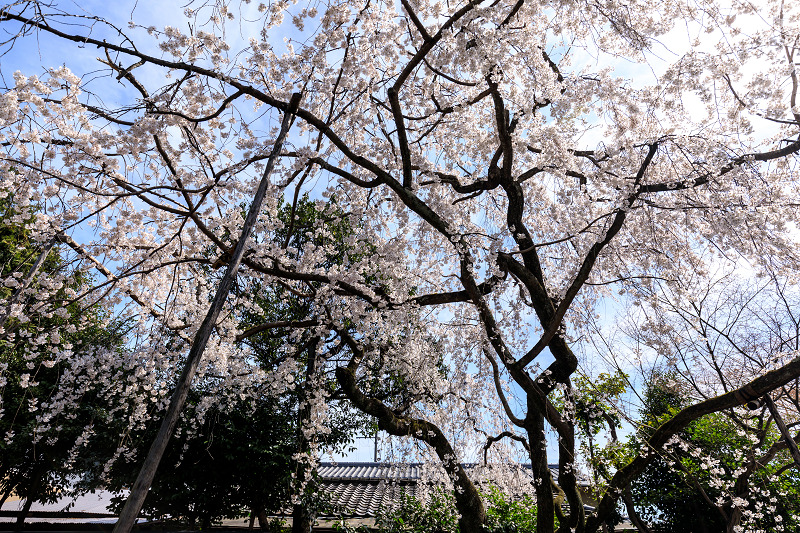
(509,515)
(439,515)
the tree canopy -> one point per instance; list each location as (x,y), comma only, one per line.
(540,192)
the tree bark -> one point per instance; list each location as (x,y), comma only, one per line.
(569,482)
(301,517)
(23,513)
(263,521)
(138,493)
(545,506)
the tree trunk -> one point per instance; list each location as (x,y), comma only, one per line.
(23,513)
(263,522)
(545,509)
(569,482)
(31,495)
(301,517)
(468,500)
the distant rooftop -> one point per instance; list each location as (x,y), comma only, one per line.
(369,471)
(359,489)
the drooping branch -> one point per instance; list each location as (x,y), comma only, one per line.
(441,298)
(468,500)
(505,434)
(299,324)
(112,278)
(29,277)
(636,520)
(771,155)
(503,400)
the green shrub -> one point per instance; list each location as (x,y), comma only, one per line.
(439,515)
(509,515)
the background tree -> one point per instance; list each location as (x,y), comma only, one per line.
(234,455)
(677,503)
(239,461)
(732,463)
(681,490)
(278,329)
(45,328)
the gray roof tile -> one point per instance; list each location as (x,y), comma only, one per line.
(364,498)
(368,471)
(360,489)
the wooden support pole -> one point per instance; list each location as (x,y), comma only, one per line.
(133,505)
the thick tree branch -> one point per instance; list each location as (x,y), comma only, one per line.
(754,389)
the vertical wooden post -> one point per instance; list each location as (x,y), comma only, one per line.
(138,493)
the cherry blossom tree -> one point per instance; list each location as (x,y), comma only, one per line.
(512,166)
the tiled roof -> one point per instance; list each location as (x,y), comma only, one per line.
(368,471)
(360,489)
(364,498)
(397,472)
